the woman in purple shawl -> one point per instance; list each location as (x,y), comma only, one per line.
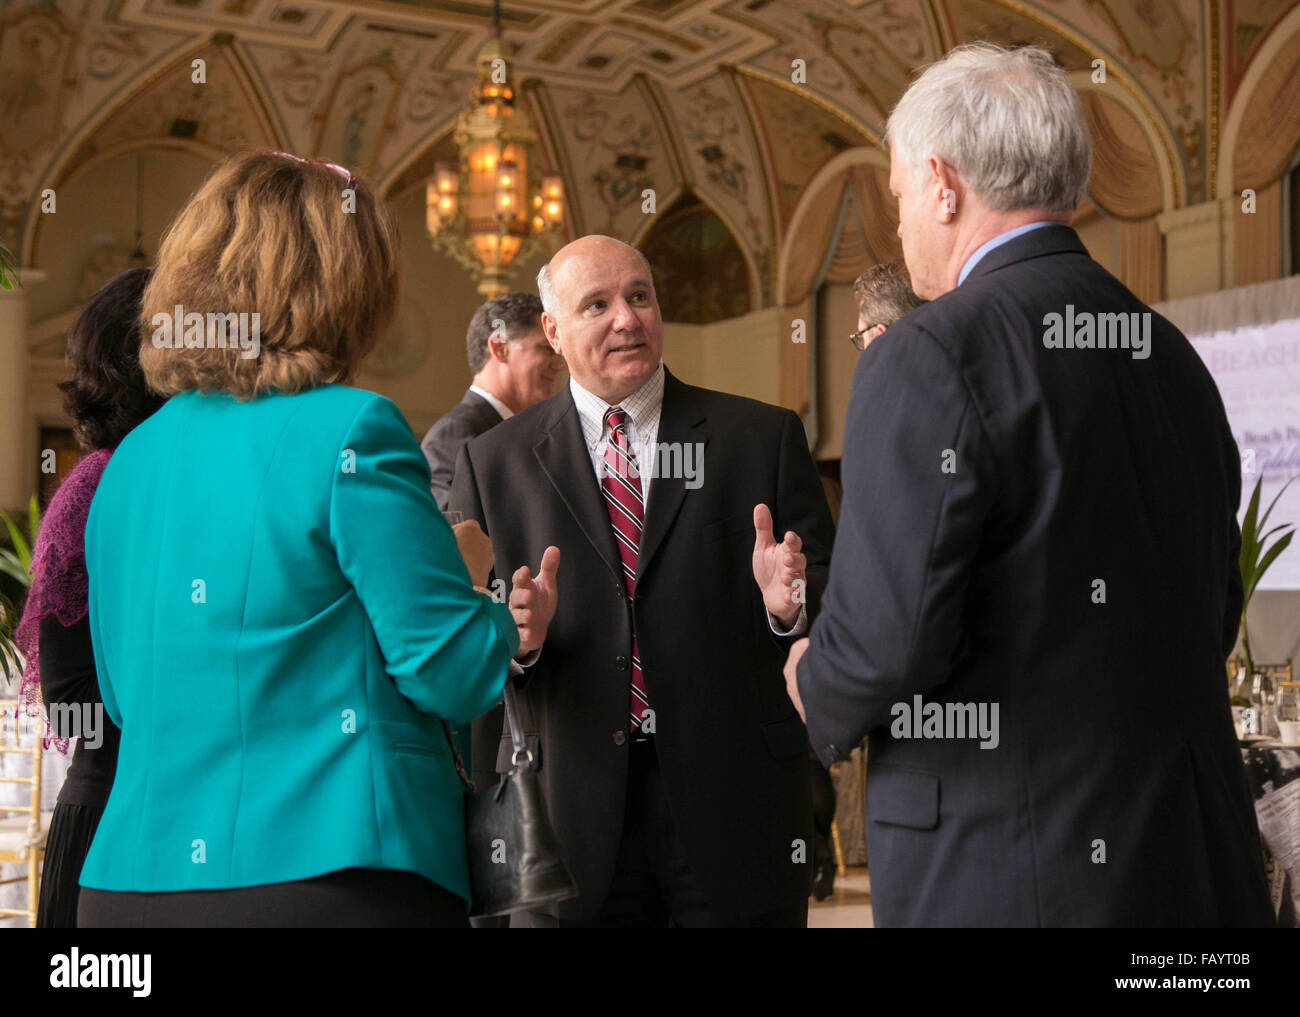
(105,398)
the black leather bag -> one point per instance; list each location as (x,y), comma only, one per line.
(514,856)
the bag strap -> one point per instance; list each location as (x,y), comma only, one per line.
(512,722)
(466,783)
(521,752)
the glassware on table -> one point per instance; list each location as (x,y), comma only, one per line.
(1262,697)
(1239,698)
(1286,704)
(453,518)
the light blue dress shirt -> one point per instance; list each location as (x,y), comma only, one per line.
(997,241)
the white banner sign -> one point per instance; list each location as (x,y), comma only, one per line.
(1257,370)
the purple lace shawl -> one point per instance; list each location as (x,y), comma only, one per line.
(60,587)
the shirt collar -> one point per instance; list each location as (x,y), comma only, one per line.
(998,241)
(642,406)
(505,411)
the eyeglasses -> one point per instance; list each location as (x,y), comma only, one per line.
(344,173)
(859,338)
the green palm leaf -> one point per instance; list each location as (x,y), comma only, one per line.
(1257,555)
(1269,556)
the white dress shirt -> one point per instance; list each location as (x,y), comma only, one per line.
(643,408)
(505,411)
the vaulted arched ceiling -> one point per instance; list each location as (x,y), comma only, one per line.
(739,103)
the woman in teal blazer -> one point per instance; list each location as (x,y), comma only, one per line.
(280,614)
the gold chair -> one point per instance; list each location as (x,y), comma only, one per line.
(1278,672)
(22,836)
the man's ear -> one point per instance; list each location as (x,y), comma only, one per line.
(498,348)
(879,329)
(551,331)
(948,189)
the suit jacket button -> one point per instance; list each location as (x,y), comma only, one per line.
(621,663)
(618,590)
(620,737)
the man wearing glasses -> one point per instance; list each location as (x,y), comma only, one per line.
(884,294)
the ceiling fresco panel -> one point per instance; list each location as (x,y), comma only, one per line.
(372,101)
(799,137)
(221,113)
(858,59)
(614,148)
(723,159)
(62,67)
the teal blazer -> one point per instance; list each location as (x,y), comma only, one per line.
(280,616)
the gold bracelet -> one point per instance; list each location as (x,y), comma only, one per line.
(486,592)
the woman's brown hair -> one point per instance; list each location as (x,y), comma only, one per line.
(313,255)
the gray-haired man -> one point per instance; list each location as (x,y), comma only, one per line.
(1035,581)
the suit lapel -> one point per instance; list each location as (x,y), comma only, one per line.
(485,414)
(681,423)
(562,455)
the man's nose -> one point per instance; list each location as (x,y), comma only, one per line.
(625,318)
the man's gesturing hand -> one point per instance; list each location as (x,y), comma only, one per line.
(532,601)
(777,567)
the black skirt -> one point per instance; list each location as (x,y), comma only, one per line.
(72,828)
(348,899)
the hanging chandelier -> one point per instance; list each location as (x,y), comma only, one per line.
(490,211)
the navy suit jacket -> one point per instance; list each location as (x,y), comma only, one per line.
(1052,532)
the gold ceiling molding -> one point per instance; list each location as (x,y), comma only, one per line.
(872,134)
(299,24)
(433,38)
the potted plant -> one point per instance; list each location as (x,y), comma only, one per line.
(15,563)
(8,267)
(1257,554)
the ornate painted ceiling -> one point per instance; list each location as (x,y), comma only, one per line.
(689,97)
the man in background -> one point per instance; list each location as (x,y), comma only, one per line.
(884,294)
(513,368)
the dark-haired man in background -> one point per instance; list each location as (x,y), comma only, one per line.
(513,367)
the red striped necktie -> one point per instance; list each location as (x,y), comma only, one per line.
(621,484)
